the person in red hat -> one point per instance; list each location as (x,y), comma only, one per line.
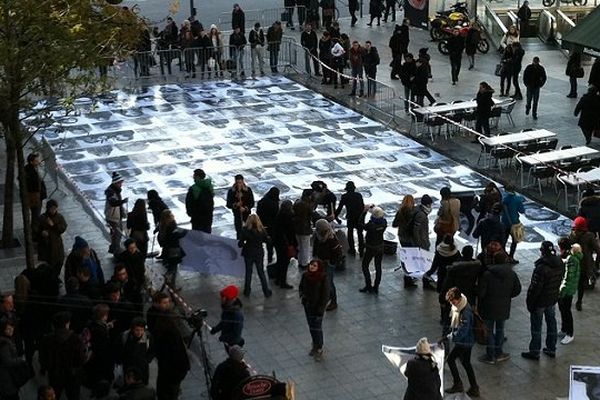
(587,240)
(232,319)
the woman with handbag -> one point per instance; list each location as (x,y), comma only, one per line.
(168,238)
(574,70)
(512,203)
(251,241)
(14,371)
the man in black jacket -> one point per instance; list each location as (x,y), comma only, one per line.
(229,374)
(542,296)
(274,36)
(267,209)
(134,388)
(370,63)
(490,228)
(136,349)
(256,38)
(534,77)
(237,42)
(497,286)
(353,201)
(200,203)
(238,18)
(310,42)
(456,45)
(374,241)
(407,73)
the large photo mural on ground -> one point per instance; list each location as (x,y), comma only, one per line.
(272,130)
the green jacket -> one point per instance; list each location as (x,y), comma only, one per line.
(570,281)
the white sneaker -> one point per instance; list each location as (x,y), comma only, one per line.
(561,334)
(567,339)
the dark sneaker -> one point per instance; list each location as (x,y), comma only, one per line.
(487,359)
(473,392)
(530,355)
(549,353)
(456,388)
(366,289)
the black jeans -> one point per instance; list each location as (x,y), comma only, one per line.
(566,316)
(369,255)
(315,325)
(482,125)
(463,353)
(587,133)
(505,78)
(533,94)
(573,82)
(513,242)
(583,280)
(515,78)
(167,388)
(359,232)
(455,60)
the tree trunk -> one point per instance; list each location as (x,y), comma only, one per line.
(9,185)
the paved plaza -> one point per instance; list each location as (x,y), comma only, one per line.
(276,333)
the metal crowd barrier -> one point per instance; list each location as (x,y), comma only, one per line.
(266,17)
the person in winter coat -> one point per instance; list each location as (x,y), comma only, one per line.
(114,212)
(420,231)
(134,262)
(463,274)
(589,208)
(448,220)
(574,71)
(12,367)
(62,356)
(138,225)
(310,42)
(498,285)
(237,42)
(512,204)
(491,228)
(461,324)
(232,318)
(399,46)
(506,73)
(587,108)
(36,188)
(355,56)
(572,256)
(338,55)
(303,209)
(375,9)
(404,220)
(76,304)
(353,7)
(534,77)
(200,203)
(168,238)
(420,81)
(51,226)
(240,201)
(423,374)
(370,62)
(589,245)
(101,364)
(484,108)
(251,240)
(187,42)
(511,36)
(325,45)
(135,349)
(407,72)
(471,43)
(238,18)
(157,206)
(518,54)
(455,45)
(542,296)
(135,388)
(229,374)
(82,255)
(267,209)
(274,36)
(594,78)
(284,240)
(314,294)
(328,7)
(524,14)
(374,229)
(353,201)
(256,39)
(490,196)
(328,249)
(445,254)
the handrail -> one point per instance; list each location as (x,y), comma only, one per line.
(547,24)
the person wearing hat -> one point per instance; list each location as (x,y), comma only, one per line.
(589,245)
(232,318)
(82,255)
(240,201)
(114,212)
(374,229)
(274,36)
(423,374)
(256,38)
(542,297)
(229,375)
(200,203)
(490,228)
(353,201)
(51,226)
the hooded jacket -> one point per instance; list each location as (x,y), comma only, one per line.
(444,256)
(545,282)
(490,228)
(113,207)
(375,229)
(423,379)
(570,282)
(231,324)
(589,208)
(199,201)
(497,286)
(267,208)
(484,103)
(589,244)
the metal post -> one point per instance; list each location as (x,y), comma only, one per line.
(361,7)
(192,8)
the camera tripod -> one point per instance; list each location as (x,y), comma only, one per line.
(204,359)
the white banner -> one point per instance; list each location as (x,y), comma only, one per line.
(416,261)
(211,254)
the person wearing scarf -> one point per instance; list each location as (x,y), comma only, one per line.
(327,248)
(461,325)
(374,229)
(423,374)
(314,294)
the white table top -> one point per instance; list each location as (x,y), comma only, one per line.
(446,108)
(581,178)
(557,155)
(518,137)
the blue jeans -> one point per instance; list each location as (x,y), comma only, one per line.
(332,291)
(315,325)
(260,268)
(495,338)
(533,94)
(357,72)
(535,317)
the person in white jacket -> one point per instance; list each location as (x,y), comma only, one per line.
(339,61)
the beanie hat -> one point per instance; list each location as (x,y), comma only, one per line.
(236,353)
(80,243)
(580,224)
(213,26)
(426,200)
(547,248)
(116,177)
(350,186)
(423,346)
(377,212)
(230,292)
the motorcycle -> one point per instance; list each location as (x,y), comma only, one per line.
(483,46)
(457,15)
(550,3)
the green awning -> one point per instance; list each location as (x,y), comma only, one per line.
(585,35)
